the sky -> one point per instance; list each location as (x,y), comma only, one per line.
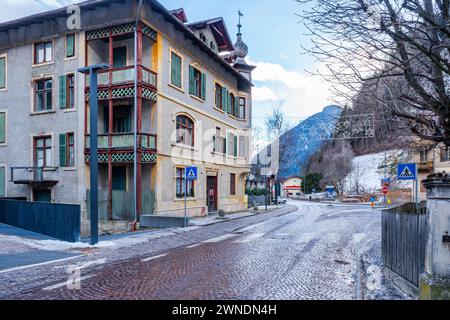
(274,35)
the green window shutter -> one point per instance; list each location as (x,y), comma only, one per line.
(2,182)
(62,92)
(203,86)
(235,145)
(70,45)
(2,127)
(62,150)
(176,70)
(224,151)
(224,99)
(2,72)
(191,80)
(230,107)
(236,106)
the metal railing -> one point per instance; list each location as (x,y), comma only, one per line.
(36,172)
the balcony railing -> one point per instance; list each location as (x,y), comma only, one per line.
(123,76)
(34,175)
(124,141)
(425,166)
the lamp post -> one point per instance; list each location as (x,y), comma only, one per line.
(93,104)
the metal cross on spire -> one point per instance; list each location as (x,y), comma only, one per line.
(240,25)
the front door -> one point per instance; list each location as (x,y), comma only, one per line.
(42,196)
(211,196)
(120,57)
(119,181)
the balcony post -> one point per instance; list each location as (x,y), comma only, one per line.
(110,127)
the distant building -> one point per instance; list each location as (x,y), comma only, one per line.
(292,187)
(430,160)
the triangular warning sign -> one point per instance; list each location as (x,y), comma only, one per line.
(406,173)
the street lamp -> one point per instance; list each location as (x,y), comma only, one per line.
(93,104)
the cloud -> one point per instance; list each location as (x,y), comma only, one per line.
(264,94)
(14,9)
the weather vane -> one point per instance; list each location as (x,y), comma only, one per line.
(240,25)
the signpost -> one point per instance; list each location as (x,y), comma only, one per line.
(93,107)
(190,174)
(409,172)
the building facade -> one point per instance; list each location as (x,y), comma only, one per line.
(429,160)
(192,107)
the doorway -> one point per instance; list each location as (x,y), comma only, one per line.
(42,196)
(120,57)
(119,181)
(211,193)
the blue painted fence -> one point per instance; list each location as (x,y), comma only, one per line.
(60,221)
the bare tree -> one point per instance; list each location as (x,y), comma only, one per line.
(399,48)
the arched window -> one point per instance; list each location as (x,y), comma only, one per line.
(185,130)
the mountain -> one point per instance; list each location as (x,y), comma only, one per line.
(300,143)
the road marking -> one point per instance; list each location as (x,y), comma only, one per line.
(194,246)
(62,284)
(40,264)
(250,238)
(221,238)
(154,258)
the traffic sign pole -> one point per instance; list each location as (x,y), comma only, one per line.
(185,198)
(417,190)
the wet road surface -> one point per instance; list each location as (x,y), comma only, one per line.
(311,253)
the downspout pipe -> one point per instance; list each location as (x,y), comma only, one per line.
(138,15)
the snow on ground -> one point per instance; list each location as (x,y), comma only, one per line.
(368,170)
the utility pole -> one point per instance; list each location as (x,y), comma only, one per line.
(93,107)
(385,173)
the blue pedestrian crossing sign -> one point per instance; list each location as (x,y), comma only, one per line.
(191,173)
(407,171)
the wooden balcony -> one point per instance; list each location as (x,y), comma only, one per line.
(425,167)
(121,147)
(119,83)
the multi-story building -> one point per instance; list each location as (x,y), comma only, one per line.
(193,106)
(430,159)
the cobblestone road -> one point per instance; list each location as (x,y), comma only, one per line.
(313,252)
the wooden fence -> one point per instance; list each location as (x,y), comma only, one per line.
(403,241)
(122,204)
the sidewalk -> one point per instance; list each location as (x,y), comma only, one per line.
(213,219)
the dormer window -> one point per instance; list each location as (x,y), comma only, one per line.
(212,45)
(203,38)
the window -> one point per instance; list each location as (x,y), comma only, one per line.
(269,151)
(232,142)
(212,45)
(242,147)
(67,150)
(43,52)
(67,91)
(43,152)
(176,67)
(232,109)
(2,127)
(242,105)
(232,184)
(185,130)
(220,143)
(445,154)
(423,156)
(181,184)
(197,83)
(218,97)
(70,46)
(43,95)
(2,72)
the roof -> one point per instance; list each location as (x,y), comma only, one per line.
(180,14)
(219,30)
(158,7)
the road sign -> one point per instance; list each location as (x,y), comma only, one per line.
(373,199)
(191,173)
(407,171)
(385,190)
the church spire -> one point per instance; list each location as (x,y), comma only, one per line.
(241,49)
